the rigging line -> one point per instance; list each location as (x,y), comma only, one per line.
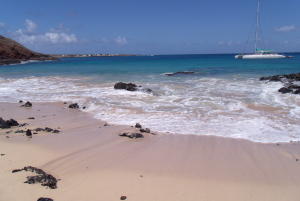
(262,37)
(249,36)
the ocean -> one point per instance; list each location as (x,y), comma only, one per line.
(223,97)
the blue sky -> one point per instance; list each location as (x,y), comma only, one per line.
(149,26)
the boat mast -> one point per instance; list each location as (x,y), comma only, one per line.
(256,26)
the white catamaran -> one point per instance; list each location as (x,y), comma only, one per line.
(260,53)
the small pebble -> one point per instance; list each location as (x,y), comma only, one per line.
(123,198)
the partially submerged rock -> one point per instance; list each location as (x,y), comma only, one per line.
(132,87)
(126,86)
(137,125)
(285,90)
(74,106)
(180,73)
(291,82)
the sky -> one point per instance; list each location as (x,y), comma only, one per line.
(150,27)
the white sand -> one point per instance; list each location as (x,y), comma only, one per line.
(94,163)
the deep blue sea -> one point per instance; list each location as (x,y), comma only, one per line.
(224,96)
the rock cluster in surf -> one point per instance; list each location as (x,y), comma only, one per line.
(75,106)
(132,87)
(291,82)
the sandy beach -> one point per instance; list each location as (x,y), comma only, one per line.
(94,163)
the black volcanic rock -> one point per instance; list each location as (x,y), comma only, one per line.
(41,177)
(27,104)
(28,133)
(74,106)
(285,90)
(291,82)
(132,87)
(45,199)
(126,86)
(137,125)
(12,122)
(132,135)
(180,73)
(146,130)
(276,78)
(3,124)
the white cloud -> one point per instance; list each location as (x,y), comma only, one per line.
(60,29)
(2,25)
(60,38)
(31,26)
(121,40)
(104,40)
(286,29)
(55,36)
(228,43)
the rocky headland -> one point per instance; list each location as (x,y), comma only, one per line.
(12,52)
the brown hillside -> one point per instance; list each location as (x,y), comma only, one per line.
(13,52)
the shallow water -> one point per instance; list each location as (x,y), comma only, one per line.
(224,96)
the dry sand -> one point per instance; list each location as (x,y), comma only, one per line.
(94,163)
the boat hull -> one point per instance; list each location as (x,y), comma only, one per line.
(258,56)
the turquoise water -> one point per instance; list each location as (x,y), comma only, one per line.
(223,97)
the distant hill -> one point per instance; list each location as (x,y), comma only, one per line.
(13,52)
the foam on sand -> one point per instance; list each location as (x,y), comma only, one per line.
(94,163)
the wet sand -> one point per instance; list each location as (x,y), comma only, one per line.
(95,163)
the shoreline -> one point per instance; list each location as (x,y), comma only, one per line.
(94,162)
(19,61)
